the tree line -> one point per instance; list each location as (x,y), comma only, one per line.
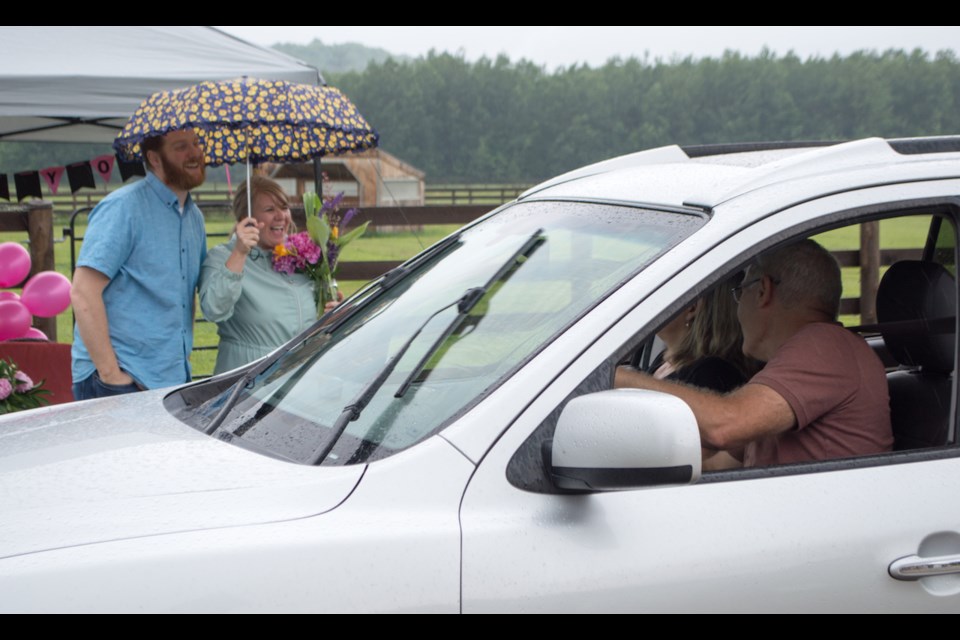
(503,121)
(495,120)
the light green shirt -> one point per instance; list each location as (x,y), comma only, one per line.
(256,311)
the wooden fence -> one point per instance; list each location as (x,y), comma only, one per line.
(378,216)
(394,217)
(206,196)
(37,221)
(471,194)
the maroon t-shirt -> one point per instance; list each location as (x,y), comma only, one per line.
(837,388)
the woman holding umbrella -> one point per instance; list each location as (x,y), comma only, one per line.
(255,307)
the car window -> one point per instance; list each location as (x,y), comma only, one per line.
(409,358)
(923,391)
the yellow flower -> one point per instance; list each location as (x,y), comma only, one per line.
(281,250)
(335,233)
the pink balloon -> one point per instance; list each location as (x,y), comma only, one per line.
(35,334)
(14,264)
(9,295)
(15,320)
(46,294)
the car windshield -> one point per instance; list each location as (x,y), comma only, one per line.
(528,272)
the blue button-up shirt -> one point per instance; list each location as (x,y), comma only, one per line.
(151,252)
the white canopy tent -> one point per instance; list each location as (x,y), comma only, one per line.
(80,84)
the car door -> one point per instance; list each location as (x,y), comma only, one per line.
(812,537)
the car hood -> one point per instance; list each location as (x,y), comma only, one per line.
(123,467)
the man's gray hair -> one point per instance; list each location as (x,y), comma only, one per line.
(805,274)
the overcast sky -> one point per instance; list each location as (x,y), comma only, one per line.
(563,46)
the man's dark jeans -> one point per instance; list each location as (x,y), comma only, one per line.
(94,387)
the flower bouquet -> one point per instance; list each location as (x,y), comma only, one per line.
(17,391)
(316,251)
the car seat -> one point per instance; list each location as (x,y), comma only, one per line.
(916,309)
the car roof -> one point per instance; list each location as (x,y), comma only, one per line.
(703,177)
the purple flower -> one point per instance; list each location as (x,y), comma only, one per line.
(347,217)
(285,264)
(332,204)
(333,253)
(25,382)
(5,388)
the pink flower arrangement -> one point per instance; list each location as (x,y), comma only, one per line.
(25,383)
(297,254)
(17,390)
(316,251)
(306,248)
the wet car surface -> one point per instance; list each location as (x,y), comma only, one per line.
(447,439)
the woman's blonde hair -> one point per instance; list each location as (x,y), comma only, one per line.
(258,186)
(715,331)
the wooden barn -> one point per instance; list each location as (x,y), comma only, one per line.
(372,178)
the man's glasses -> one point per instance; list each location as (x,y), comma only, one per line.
(738,290)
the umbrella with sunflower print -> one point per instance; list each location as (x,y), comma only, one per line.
(248,120)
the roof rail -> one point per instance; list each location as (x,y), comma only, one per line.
(938,144)
(703,150)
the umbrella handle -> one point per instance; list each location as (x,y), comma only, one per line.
(249,195)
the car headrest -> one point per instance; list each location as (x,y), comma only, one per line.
(916,309)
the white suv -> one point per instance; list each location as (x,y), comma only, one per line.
(401,455)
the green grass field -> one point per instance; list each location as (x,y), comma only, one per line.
(372,247)
(897,233)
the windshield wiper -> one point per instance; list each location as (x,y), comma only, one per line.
(353,410)
(398,273)
(387,281)
(239,386)
(470,299)
(269,361)
(466,302)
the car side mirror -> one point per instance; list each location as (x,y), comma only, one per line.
(625,439)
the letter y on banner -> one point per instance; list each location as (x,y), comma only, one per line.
(52,175)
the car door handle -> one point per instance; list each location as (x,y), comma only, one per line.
(915,567)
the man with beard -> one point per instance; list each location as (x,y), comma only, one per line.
(133,289)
